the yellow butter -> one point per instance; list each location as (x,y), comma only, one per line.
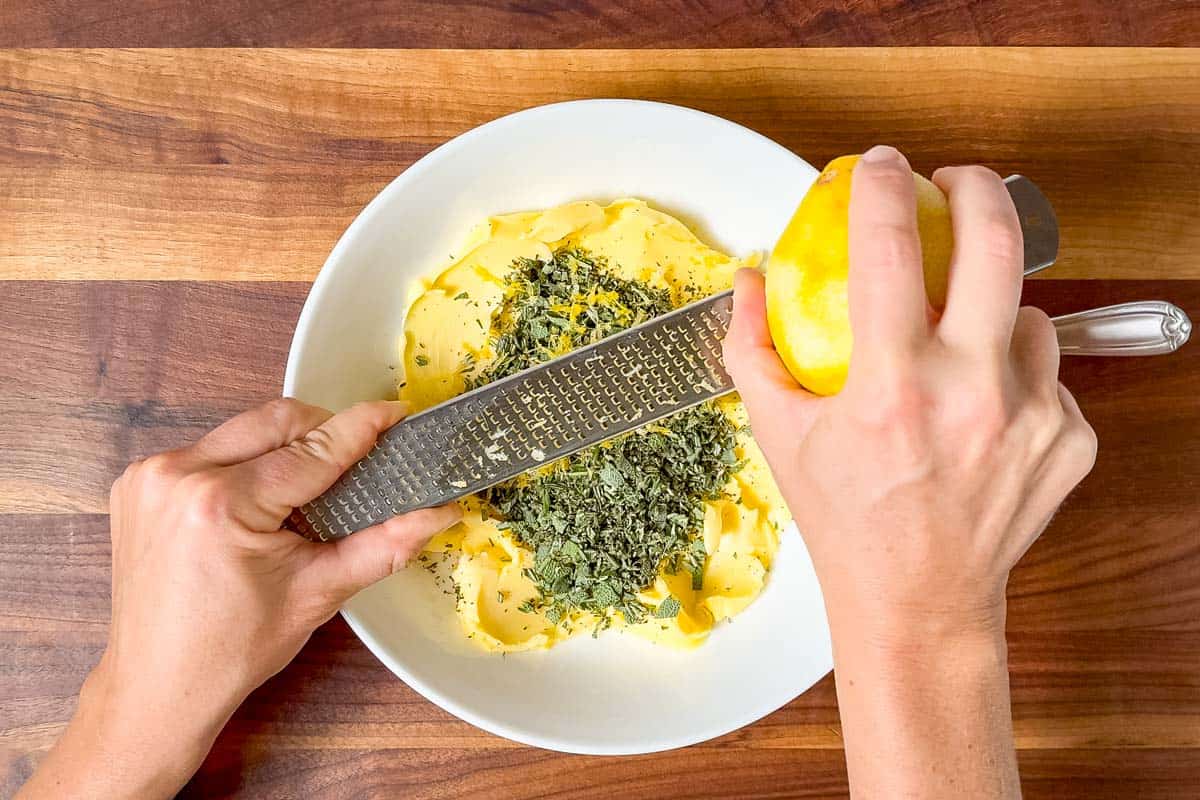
(448,321)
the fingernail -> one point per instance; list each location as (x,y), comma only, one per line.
(399,407)
(882,154)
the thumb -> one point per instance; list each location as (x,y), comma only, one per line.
(270,486)
(771,395)
(343,568)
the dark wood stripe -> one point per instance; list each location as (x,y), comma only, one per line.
(1095,774)
(592,23)
(1100,774)
(96,374)
(1104,644)
(336,723)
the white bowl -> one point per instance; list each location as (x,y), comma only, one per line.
(616,694)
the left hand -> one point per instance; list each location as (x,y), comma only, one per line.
(211,597)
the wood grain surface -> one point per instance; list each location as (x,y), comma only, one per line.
(594,23)
(161,213)
(247,165)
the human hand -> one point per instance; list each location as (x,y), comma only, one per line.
(921,483)
(919,486)
(210,596)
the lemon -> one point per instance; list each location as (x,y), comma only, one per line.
(807,304)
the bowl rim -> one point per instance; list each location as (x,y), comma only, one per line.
(320,285)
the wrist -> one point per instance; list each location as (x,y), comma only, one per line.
(894,629)
(149,744)
(924,692)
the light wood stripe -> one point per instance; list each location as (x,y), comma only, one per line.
(247,164)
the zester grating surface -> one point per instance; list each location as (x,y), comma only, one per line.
(503,429)
(500,430)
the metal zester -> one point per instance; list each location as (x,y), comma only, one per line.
(500,430)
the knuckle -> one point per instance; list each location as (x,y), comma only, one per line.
(403,554)
(892,247)
(116,492)
(206,498)
(282,410)
(370,413)
(1083,445)
(318,444)
(1052,413)
(127,476)
(986,410)
(896,403)
(1000,240)
(980,414)
(1036,321)
(1049,420)
(977,173)
(157,472)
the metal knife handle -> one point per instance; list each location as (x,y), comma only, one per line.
(1143,328)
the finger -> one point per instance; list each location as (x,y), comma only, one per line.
(349,565)
(1082,443)
(768,390)
(1065,464)
(1069,404)
(270,486)
(750,355)
(888,306)
(1034,351)
(260,430)
(986,267)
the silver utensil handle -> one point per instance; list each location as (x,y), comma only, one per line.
(1143,328)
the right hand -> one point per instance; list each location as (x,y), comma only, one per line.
(919,486)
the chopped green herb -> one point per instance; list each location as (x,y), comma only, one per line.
(468,363)
(606,521)
(615,516)
(552,307)
(462,296)
(668,608)
(422,361)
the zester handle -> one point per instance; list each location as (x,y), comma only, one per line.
(518,423)
(1143,328)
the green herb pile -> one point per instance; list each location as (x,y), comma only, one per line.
(550,309)
(606,521)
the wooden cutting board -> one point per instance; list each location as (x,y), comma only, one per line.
(161,215)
